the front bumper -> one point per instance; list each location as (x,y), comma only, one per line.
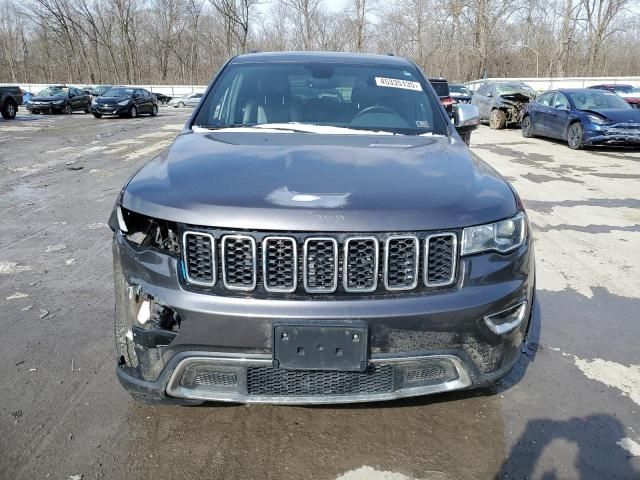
(46,108)
(604,135)
(109,110)
(234,334)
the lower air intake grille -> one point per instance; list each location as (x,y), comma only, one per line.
(298,383)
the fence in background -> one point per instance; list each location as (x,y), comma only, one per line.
(541,84)
(171,90)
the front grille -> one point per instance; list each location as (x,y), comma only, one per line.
(401,263)
(199,257)
(297,383)
(361,264)
(302,264)
(280,264)
(441,259)
(239,262)
(320,265)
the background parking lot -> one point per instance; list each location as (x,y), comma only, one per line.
(569,409)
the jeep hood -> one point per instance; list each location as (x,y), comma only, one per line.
(316,182)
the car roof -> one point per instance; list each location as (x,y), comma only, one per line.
(328,57)
(573,90)
(612,85)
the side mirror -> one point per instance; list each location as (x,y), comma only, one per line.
(466,117)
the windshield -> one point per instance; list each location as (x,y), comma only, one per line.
(509,89)
(365,97)
(459,89)
(118,92)
(54,92)
(596,100)
(627,91)
(100,90)
(441,88)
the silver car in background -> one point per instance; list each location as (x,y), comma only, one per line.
(190,100)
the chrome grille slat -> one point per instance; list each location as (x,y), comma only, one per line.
(360,272)
(199,258)
(239,260)
(401,262)
(280,264)
(441,253)
(320,265)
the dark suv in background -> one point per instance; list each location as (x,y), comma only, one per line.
(59,99)
(10,98)
(502,104)
(319,233)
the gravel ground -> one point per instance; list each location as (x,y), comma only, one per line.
(569,409)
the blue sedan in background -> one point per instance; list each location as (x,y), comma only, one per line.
(582,117)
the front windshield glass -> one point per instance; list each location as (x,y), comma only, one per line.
(509,89)
(54,92)
(118,92)
(357,97)
(596,100)
(459,89)
(100,90)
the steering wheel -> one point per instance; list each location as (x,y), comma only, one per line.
(375,109)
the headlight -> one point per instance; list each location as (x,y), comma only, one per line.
(502,236)
(597,119)
(123,103)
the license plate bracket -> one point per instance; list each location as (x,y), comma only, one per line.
(321,345)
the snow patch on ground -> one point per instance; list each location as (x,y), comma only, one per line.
(612,374)
(8,268)
(369,473)
(630,446)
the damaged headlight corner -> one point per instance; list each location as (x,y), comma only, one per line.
(503,236)
(597,119)
(506,321)
(155,324)
(146,231)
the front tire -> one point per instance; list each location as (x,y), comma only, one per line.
(9,110)
(67,110)
(97,115)
(154,111)
(574,136)
(498,119)
(180,105)
(133,112)
(527,127)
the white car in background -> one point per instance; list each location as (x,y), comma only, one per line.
(190,100)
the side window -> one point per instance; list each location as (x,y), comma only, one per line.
(482,90)
(545,99)
(561,101)
(75,92)
(145,94)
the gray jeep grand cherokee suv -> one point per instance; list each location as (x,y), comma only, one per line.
(318,233)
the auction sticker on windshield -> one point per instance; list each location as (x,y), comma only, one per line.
(397,83)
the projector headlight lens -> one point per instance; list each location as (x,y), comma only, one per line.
(502,236)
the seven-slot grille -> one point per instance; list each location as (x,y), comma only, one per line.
(320,264)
